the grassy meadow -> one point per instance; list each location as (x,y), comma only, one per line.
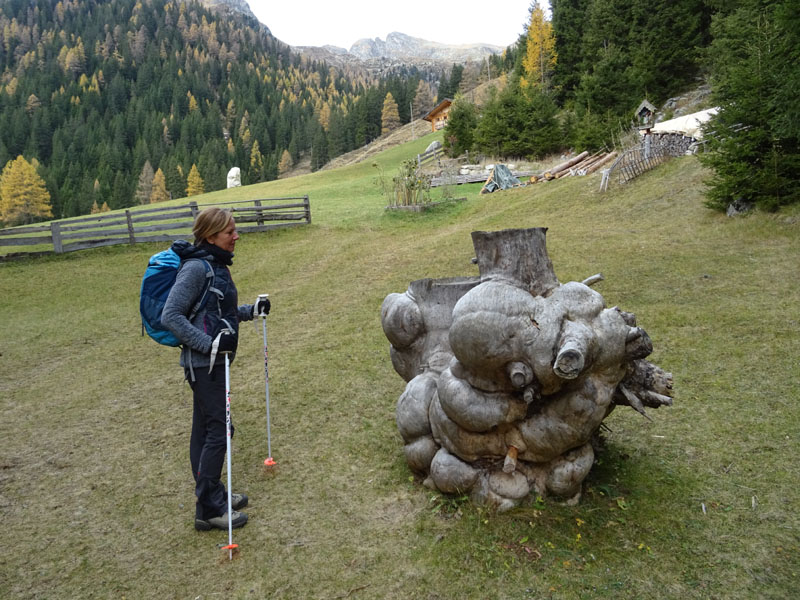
(96,494)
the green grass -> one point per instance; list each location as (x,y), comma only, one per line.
(96,496)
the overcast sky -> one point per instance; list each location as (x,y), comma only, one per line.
(343,22)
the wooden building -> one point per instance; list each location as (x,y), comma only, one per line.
(438,116)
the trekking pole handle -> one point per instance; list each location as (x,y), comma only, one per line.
(263,297)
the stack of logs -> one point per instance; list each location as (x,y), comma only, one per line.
(582,164)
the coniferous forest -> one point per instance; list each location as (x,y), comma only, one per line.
(120,102)
(98,92)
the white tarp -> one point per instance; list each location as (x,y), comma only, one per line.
(690,125)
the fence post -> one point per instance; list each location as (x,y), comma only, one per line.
(131,235)
(259,213)
(193,208)
(55,232)
(307,206)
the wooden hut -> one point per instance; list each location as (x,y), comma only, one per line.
(438,116)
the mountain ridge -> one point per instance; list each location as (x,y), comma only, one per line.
(374,51)
(401,45)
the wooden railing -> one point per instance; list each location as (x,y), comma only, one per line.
(161,224)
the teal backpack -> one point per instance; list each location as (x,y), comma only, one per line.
(158,279)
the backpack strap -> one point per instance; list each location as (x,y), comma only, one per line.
(209,286)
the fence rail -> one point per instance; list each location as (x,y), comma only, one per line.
(160,224)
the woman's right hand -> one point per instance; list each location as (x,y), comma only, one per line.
(225,339)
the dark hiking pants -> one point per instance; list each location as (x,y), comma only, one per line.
(208,444)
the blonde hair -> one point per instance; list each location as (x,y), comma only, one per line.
(209,222)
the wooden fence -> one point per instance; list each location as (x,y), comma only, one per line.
(435,154)
(161,224)
(652,151)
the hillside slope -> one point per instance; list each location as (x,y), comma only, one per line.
(700,502)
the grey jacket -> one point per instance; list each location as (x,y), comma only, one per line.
(185,293)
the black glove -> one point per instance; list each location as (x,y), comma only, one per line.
(225,339)
(261,307)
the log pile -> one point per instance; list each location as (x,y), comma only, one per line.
(581,164)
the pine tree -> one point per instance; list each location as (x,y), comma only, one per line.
(454,84)
(443,88)
(159,191)
(23,196)
(390,117)
(755,149)
(194,183)
(540,56)
(516,124)
(568,23)
(145,185)
(459,133)
(319,151)
(423,99)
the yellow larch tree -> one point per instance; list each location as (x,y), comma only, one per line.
(159,192)
(540,57)
(256,162)
(325,116)
(194,183)
(23,195)
(285,163)
(390,116)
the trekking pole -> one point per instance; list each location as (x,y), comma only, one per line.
(269,462)
(230,545)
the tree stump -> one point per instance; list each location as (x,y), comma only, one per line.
(510,374)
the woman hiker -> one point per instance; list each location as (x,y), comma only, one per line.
(205,318)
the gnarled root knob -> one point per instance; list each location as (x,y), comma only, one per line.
(510,462)
(476,410)
(420,453)
(566,472)
(569,362)
(637,343)
(520,374)
(452,475)
(401,319)
(573,351)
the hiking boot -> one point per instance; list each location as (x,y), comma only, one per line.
(238,519)
(238,501)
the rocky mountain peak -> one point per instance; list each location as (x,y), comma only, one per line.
(237,6)
(400,46)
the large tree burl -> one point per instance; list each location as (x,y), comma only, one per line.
(510,374)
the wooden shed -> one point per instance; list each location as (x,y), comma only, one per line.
(438,116)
